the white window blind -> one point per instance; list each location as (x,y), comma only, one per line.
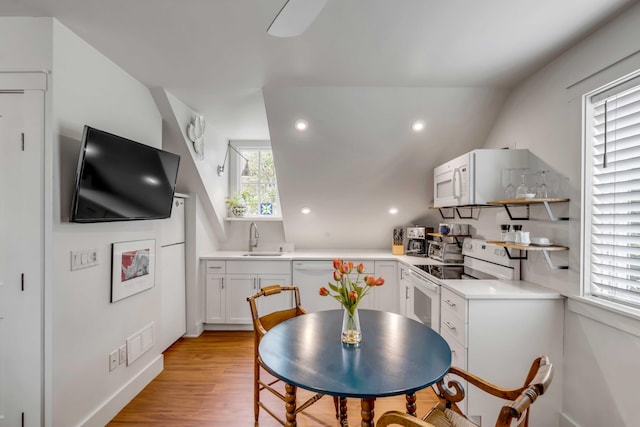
(613,235)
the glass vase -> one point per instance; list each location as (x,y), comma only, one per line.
(351,332)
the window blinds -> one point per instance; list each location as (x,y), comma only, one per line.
(615,195)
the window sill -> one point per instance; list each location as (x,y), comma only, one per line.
(253,218)
(617,316)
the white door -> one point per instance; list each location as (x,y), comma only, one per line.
(173,315)
(21,258)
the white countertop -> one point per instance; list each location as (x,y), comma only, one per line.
(499,289)
(322,254)
(469,289)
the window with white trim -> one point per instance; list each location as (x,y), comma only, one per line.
(254,177)
(612,192)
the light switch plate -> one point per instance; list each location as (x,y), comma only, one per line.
(84,258)
(113,360)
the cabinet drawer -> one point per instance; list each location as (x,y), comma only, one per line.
(259,267)
(454,326)
(458,351)
(215,267)
(454,303)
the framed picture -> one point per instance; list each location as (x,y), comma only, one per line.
(132,268)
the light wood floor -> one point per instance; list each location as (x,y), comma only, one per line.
(208,381)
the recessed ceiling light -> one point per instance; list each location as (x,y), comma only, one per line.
(393,211)
(301,125)
(418,125)
(306,211)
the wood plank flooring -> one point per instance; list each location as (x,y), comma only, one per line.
(208,381)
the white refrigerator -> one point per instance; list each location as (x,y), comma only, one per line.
(172,268)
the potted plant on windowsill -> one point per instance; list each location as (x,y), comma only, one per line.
(238,203)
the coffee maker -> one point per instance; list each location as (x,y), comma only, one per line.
(417,237)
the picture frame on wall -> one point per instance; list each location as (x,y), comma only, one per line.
(132,268)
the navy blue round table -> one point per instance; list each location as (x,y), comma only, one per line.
(397,355)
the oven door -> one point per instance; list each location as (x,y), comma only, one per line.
(424,301)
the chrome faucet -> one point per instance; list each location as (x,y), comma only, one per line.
(253,232)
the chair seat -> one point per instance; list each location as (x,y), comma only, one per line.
(440,416)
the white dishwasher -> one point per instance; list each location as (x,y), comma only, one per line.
(311,275)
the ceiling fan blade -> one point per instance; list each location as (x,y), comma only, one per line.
(295,17)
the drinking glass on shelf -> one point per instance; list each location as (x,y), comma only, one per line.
(522,190)
(510,189)
(543,190)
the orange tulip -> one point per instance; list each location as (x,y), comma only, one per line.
(337,263)
(337,275)
(379,281)
(369,280)
(324,291)
(360,268)
(350,266)
(345,268)
(353,296)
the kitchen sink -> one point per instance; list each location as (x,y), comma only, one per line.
(263,254)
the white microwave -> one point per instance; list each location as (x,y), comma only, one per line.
(477,177)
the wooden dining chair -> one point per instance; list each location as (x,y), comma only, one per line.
(447,413)
(261,325)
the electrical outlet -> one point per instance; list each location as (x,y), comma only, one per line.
(123,354)
(113,360)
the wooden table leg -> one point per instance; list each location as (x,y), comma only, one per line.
(411,404)
(367,412)
(290,404)
(343,412)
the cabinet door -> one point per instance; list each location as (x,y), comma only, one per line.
(277,302)
(238,288)
(386,298)
(214,299)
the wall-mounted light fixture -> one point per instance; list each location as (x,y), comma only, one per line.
(245,171)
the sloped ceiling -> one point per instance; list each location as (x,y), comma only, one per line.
(359,156)
(361,72)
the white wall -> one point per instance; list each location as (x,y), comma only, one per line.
(544,114)
(90,89)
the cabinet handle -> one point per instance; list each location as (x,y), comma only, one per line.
(406,292)
(449,303)
(254,284)
(453,352)
(259,282)
(222,283)
(215,267)
(450,326)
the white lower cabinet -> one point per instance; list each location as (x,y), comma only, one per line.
(227,290)
(386,296)
(497,340)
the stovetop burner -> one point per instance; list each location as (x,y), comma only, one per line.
(443,271)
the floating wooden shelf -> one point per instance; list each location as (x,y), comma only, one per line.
(530,247)
(544,249)
(533,201)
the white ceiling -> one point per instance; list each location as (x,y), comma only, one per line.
(360,74)
(216,56)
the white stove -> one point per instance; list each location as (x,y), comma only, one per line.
(486,261)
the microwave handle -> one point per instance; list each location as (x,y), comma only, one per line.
(456,182)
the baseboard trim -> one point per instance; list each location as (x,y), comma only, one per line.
(114,404)
(565,421)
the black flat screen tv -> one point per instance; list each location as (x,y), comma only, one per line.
(121,180)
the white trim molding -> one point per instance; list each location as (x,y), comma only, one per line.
(618,316)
